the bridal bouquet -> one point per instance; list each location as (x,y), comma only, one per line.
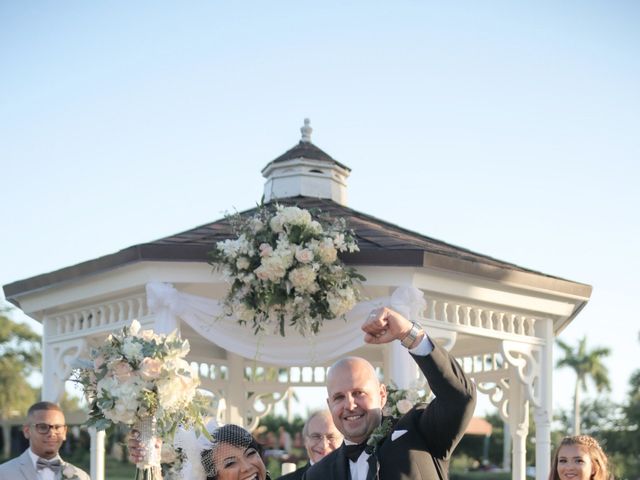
(141,380)
(283,267)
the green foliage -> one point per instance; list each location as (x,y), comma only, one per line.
(598,415)
(19,356)
(272,424)
(622,443)
(587,364)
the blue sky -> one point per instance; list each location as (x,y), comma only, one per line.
(508,128)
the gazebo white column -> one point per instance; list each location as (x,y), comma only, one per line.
(235,395)
(543,411)
(53,377)
(97,453)
(519,425)
(402,369)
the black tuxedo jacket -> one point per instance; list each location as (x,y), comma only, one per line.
(295,475)
(432,431)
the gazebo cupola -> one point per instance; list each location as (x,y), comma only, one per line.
(307,171)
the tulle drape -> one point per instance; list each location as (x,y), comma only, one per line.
(336,337)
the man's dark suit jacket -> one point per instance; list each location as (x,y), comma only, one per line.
(432,431)
(295,475)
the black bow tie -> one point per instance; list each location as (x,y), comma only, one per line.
(54,464)
(353,452)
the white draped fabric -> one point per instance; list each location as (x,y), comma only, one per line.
(336,337)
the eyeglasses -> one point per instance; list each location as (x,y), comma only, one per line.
(44,428)
(317,438)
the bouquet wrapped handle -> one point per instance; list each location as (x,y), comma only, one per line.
(149,468)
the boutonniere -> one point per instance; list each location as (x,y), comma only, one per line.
(379,434)
(69,472)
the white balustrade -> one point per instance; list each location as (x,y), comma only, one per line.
(100,316)
(448,311)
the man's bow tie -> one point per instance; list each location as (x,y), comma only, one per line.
(54,464)
(353,452)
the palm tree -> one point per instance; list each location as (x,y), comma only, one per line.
(587,364)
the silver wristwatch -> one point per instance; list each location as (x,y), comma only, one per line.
(412,335)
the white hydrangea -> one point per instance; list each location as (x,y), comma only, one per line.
(326,251)
(132,349)
(303,279)
(341,301)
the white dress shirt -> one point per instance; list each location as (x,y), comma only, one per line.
(45,473)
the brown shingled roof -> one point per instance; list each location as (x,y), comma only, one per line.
(381,244)
(306,150)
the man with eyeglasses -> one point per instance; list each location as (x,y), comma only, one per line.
(321,437)
(46,431)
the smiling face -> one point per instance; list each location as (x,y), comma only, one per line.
(355,398)
(321,436)
(574,463)
(238,463)
(45,445)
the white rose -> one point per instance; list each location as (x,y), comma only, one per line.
(256,225)
(276,223)
(177,391)
(304,255)
(243,263)
(68,471)
(124,412)
(403,406)
(148,335)
(150,368)
(135,327)
(271,268)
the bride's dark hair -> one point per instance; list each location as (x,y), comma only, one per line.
(233,435)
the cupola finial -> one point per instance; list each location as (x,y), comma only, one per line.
(306,131)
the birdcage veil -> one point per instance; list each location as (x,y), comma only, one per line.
(201,452)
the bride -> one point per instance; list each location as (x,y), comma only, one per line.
(232,454)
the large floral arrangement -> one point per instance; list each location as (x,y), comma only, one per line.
(137,374)
(283,267)
(142,380)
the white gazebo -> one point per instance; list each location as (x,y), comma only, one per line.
(498,319)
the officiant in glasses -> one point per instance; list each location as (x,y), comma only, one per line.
(46,430)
